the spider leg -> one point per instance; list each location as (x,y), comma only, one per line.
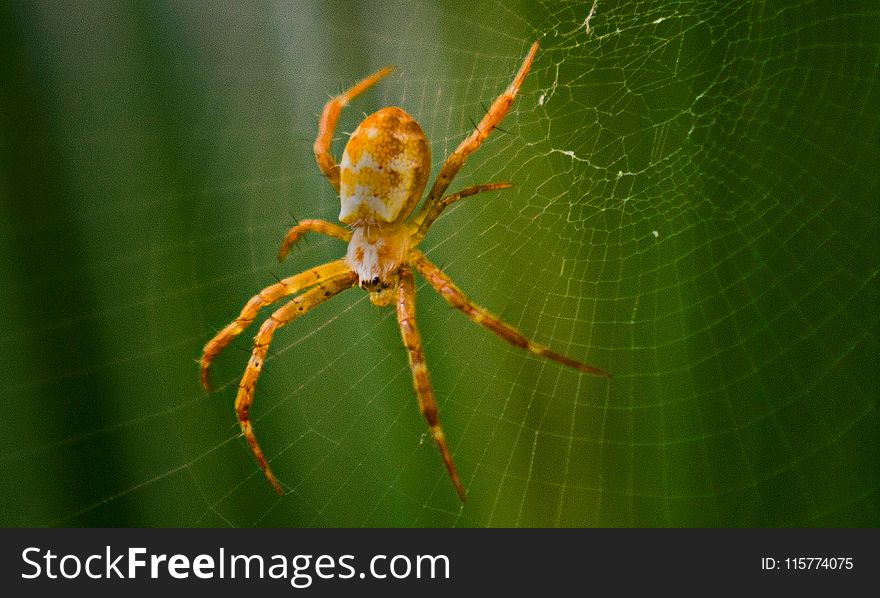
(316,226)
(288,312)
(269,295)
(426,217)
(326,162)
(491,119)
(412,340)
(445,287)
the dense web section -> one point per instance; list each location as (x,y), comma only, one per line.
(694,209)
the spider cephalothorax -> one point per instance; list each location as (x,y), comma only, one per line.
(383,172)
(375,253)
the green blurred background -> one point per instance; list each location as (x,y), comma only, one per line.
(695,209)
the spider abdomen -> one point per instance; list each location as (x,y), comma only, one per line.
(384,168)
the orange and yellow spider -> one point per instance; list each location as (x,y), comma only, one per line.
(384,169)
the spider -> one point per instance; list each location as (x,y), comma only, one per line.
(384,169)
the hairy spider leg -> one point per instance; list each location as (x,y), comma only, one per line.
(453,295)
(326,161)
(428,218)
(288,312)
(496,112)
(269,295)
(412,340)
(315,226)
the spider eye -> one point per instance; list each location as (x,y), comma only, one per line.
(372,284)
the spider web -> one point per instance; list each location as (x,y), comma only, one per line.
(695,209)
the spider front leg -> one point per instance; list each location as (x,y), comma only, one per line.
(496,112)
(326,161)
(283,315)
(269,295)
(453,295)
(315,226)
(412,340)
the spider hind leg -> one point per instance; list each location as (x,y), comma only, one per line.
(326,162)
(494,115)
